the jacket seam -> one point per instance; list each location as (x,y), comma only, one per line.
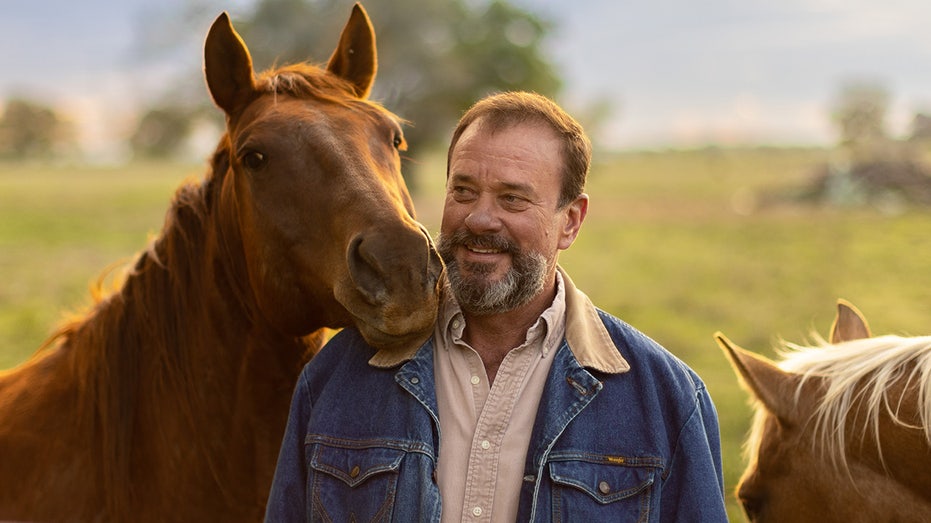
(699,392)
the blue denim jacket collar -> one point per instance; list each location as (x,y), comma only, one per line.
(416,377)
(588,338)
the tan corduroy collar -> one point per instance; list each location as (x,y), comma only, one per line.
(586,334)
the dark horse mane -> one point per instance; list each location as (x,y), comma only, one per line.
(149,310)
(158,308)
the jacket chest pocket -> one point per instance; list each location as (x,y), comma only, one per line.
(601,491)
(352,484)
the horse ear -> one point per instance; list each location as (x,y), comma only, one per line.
(850,324)
(228,66)
(772,386)
(355,58)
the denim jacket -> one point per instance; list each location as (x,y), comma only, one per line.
(625,431)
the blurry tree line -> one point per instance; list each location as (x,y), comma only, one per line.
(430,97)
(874,168)
(31,129)
(435,58)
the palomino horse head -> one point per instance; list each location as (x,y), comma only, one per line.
(314,177)
(842,431)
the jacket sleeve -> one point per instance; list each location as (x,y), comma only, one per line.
(693,490)
(287,499)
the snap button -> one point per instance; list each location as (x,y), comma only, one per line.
(604,487)
(475,380)
(415,380)
(354,472)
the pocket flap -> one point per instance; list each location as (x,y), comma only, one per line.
(353,466)
(603,482)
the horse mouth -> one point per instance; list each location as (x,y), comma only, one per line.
(381,340)
(392,289)
(399,322)
(394,322)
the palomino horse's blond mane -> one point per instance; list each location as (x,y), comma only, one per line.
(858,372)
(842,428)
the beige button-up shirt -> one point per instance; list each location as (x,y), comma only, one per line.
(485,431)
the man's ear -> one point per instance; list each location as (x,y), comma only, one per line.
(575,215)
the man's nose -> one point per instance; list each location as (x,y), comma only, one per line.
(483,217)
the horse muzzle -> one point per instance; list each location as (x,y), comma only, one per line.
(396,279)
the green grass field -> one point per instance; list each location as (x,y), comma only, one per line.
(670,245)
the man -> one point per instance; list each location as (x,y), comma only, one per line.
(527,403)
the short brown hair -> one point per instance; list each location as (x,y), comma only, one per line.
(511,108)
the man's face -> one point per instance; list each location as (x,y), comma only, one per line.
(501,230)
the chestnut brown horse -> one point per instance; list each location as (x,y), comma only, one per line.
(167,402)
(842,431)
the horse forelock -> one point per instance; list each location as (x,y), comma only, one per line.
(304,80)
(307,81)
(857,375)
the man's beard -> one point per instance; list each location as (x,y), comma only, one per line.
(473,290)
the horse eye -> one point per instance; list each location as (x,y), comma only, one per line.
(253,160)
(398,141)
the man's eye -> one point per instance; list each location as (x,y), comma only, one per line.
(514,201)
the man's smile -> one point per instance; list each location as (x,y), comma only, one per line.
(483,250)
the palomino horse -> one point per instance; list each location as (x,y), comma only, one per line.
(167,402)
(842,430)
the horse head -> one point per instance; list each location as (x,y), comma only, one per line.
(825,444)
(314,188)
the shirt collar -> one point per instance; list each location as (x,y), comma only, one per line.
(588,338)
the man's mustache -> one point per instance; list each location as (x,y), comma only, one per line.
(479,241)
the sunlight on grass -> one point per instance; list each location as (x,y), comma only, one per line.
(673,244)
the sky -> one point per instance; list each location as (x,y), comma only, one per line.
(674,73)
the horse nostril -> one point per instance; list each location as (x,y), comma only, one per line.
(751,503)
(365,272)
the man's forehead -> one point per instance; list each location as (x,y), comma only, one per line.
(490,125)
(467,177)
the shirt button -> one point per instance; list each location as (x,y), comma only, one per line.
(485,444)
(477,511)
(456,324)
(475,380)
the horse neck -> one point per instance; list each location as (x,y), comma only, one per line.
(194,299)
(180,354)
